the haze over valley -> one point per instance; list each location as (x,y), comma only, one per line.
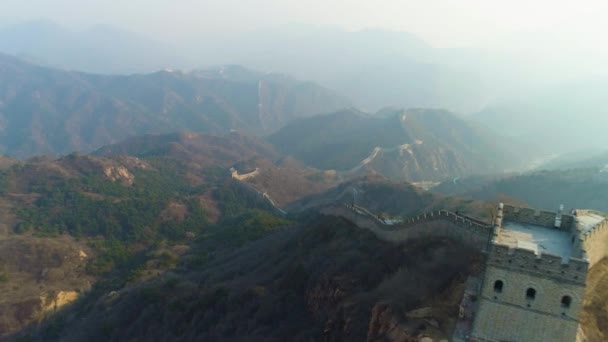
(222,171)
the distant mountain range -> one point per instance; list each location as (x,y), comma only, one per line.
(412,145)
(100,49)
(581,159)
(376,68)
(559,119)
(51,111)
(585,188)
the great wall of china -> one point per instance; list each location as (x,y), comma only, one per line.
(441,223)
(533,282)
(593,241)
(263,197)
(534,277)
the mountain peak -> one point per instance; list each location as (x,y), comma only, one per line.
(87,111)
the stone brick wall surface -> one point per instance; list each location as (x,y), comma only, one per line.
(595,243)
(506,311)
(470,232)
(500,322)
(547,266)
(510,315)
(536,217)
(548,298)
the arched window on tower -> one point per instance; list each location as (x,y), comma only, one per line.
(530,294)
(566,301)
(498,285)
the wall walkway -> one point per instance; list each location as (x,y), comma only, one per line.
(442,223)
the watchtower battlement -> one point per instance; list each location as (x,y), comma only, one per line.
(540,218)
(536,264)
(592,235)
(547,232)
(570,270)
(536,271)
(597,229)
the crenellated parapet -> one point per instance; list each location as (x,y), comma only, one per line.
(586,246)
(235,174)
(594,241)
(536,267)
(441,223)
(535,217)
(535,275)
(594,230)
(570,270)
(438,215)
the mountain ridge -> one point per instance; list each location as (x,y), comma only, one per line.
(45,110)
(412,145)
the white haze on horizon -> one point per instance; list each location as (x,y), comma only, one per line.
(442,23)
(547,39)
(518,50)
(544,34)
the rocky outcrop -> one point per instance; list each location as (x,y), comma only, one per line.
(52,302)
(44,275)
(119,173)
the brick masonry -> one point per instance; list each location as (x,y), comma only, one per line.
(508,314)
(468,231)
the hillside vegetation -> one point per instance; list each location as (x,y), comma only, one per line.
(164,245)
(92,224)
(324,280)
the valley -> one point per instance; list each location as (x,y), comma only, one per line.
(392,189)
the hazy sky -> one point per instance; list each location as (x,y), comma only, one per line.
(440,22)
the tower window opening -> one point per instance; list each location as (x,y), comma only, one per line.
(498,285)
(566,301)
(530,294)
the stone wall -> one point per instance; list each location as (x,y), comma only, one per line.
(501,322)
(235,174)
(536,217)
(508,314)
(595,243)
(260,197)
(470,232)
(573,271)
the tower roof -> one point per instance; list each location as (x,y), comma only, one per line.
(540,240)
(587,220)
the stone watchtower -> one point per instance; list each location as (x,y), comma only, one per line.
(534,281)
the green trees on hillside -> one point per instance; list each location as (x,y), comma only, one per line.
(124,222)
(124,218)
